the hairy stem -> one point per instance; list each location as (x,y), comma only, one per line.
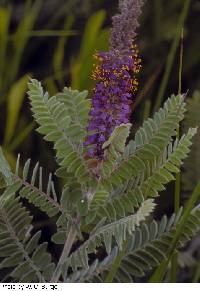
(67,247)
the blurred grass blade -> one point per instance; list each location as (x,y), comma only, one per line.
(21,136)
(81,67)
(10,158)
(50,33)
(51,85)
(4,32)
(159,273)
(5,173)
(14,103)
(92,29)
(58,58)
(158,9)
(171,55)
(21,37)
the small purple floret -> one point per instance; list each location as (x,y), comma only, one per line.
(115,76)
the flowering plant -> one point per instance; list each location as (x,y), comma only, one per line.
(104,212)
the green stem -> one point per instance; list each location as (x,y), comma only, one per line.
(67,247)
(196,274)
(171,55)
(174,263)
(147,109)
(159,273)
(174,267)
(181,63)
(116,264)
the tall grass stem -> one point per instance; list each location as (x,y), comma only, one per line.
(171,55)
(177,195)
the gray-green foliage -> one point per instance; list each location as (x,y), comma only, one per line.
(146,249)
(22,253)
(111,200)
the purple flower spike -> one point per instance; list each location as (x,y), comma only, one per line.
(116,78)
(125,25)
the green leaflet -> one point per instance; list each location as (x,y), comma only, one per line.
(149,245)
(118,230)
(27,260)
(114,147)
(150,183)
(179,233)
(109,200)
(150,141)
(29,185)
(78,106)
(146,248)
(92,274)
(58,127)
(118,137)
